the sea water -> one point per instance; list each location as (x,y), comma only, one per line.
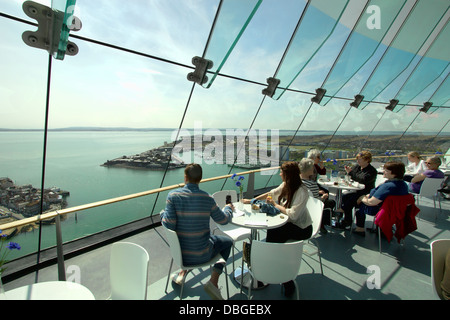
(73,163)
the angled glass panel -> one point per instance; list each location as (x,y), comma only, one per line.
(316,27)
(417,29)
(363,44)
(442,96)
(432,70)
(428,133)
(22,119)
(234,16)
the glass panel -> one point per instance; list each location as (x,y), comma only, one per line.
(361,47)
(234,16)
(441,95)
(124,103)
(22,115)
(402,54)
(314,30)
(430,70)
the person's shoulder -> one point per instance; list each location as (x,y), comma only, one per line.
(177,191)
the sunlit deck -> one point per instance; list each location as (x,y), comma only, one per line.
(404,269)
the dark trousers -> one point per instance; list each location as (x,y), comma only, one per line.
(289,231)
(348,203)
(327,204)
(363,211)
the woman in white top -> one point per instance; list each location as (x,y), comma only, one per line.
(415,166)
(290,197)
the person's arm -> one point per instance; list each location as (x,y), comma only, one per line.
(219,216)
(260,197)
(370,201)
(418,177)
(169,215)
(298,204)
(273,193)
(366,177)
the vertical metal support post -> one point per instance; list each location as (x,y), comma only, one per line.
(59,250)
(250,186)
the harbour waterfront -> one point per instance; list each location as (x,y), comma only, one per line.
(74,163)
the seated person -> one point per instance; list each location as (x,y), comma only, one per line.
(371,203)
(415,166)
(306,174)
(290,197)
(363,173)
(319,168)
(188,212)
(432,171)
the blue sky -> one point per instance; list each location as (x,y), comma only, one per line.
(105,87)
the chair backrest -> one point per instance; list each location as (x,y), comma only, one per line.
(380,180)
(174,244)
(128,271)
(439,249)
(276,262)
(315,209)
(220,197)
(430,186)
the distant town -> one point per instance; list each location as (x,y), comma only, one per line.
(290,148)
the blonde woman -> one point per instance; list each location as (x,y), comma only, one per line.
(416,165)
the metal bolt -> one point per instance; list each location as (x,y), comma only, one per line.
(32,10)
(32,39)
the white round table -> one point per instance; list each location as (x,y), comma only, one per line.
(339,186)
(51,290)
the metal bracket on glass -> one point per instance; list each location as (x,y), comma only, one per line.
(358,99)
(426,106)
(53,29)
(392,104)
(320,92)
(272,86)
(201,66)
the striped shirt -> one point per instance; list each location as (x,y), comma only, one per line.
(188,212)
(313,187)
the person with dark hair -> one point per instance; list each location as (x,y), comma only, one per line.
(371,203)
(290,197)
(188,212)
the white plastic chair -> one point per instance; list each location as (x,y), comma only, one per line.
(429,189)
(234,232)
(175,249)
(128,271)
(380,180)
(315,209)
(439,249)
(275,263)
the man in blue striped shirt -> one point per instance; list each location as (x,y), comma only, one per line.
(188,212)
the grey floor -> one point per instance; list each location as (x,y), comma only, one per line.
(348,263)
